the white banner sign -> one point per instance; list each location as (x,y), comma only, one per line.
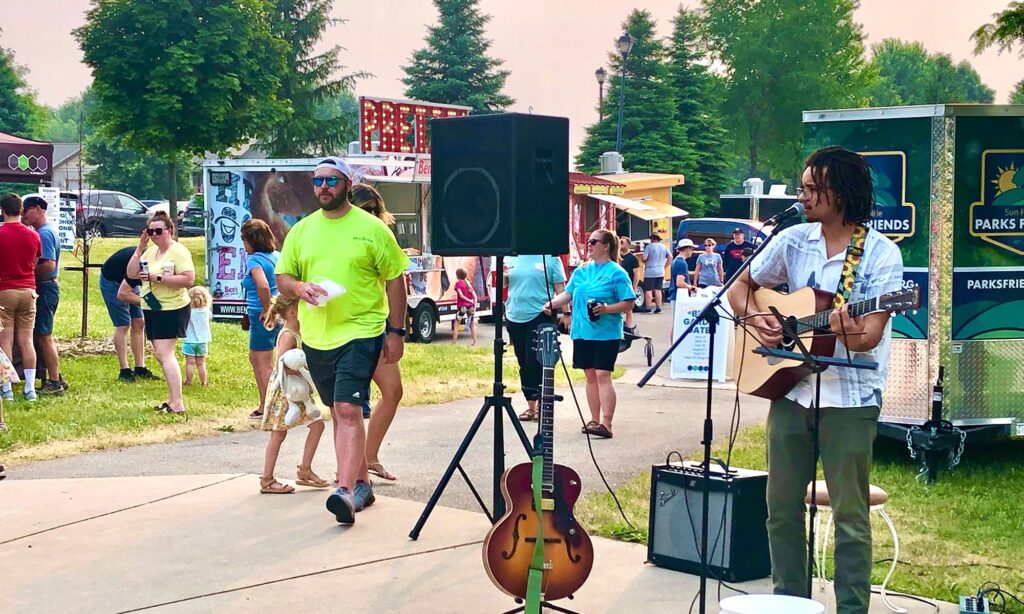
(63,215)
(690,358)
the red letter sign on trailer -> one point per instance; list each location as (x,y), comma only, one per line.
(400,126)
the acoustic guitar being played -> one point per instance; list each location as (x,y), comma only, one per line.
(807,310)
(509,547)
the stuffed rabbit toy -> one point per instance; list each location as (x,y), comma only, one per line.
(293,379)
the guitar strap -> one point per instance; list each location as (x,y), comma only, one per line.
(535,583)
(854,254)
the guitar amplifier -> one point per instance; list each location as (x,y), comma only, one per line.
(737,513)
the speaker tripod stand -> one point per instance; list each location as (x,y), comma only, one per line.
(498,403)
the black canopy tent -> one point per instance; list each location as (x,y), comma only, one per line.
(25,160)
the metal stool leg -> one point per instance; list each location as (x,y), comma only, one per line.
(895,559)
(824,547)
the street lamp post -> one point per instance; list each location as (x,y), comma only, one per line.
(601,75)
(625,44)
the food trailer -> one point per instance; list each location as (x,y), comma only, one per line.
(395,136)
(949,190)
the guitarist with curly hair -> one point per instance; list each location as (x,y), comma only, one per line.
(835,251)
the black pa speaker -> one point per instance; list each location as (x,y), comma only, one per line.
(737,517)
(499,185)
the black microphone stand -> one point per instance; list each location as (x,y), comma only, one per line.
(709,315)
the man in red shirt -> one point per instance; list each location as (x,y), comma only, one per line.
(22,248)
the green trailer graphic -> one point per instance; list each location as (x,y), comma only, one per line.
(949,190)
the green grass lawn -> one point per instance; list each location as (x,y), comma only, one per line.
(99,412)
(955,535)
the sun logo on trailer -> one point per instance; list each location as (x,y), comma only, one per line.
(998,215)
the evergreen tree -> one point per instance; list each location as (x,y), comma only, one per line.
(308,85)
(697,109)
(652,138)
(454,67)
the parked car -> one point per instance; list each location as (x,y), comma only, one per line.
(720,229)
(111,214)
(192,223)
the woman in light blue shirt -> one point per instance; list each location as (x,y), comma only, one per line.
(532,281)
(260,285)
(603,285)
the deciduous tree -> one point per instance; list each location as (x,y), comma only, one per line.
(175,77)
(783,57)
(909,74)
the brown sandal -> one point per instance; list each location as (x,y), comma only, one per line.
(305,477)
(529,415)
(270,486)
(586,427)
(600,431)
(378,470)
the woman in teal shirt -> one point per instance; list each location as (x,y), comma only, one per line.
(532,281)
(596,332)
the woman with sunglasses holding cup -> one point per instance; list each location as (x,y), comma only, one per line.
(167,272)
(600,292)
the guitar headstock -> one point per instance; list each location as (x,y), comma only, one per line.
(547,345)
(901,300)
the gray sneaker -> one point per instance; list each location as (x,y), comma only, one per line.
(54,388)
(7,396)
(30,395)
(363,495)
(341,504)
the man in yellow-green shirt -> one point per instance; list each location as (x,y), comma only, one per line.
(344,247)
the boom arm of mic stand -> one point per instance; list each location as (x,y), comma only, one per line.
(712,304)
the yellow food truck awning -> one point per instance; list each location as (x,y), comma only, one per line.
(626,204)
(657,210)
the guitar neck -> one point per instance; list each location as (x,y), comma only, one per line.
(547,427)
(819,321)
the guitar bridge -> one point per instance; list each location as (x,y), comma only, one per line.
(547,505)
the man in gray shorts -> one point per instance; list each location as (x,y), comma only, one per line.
(655,258)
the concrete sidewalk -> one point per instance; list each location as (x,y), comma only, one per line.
(210,543)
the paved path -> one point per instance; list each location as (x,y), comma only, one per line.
(649,423)
(210,543)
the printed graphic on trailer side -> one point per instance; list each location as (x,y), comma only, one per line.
(892,215)
(998,215)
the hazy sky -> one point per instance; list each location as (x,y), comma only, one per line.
(552,47)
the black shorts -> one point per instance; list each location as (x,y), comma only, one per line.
(652,283)
(599,355)
(167,324)
(343,375)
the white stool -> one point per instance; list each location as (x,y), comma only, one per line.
(769,604)
(877,498)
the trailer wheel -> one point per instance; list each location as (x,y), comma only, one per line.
(424,323)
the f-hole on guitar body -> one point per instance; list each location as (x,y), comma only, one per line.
(509,546)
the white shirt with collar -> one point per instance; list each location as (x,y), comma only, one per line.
(797,256)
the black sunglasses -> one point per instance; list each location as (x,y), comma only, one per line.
(154,231)
(594,241)
(330,181)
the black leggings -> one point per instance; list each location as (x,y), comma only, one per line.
(523,336)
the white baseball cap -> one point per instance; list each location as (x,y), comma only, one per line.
(685,243)
(339,165)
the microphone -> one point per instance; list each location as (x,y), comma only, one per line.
(787,214)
